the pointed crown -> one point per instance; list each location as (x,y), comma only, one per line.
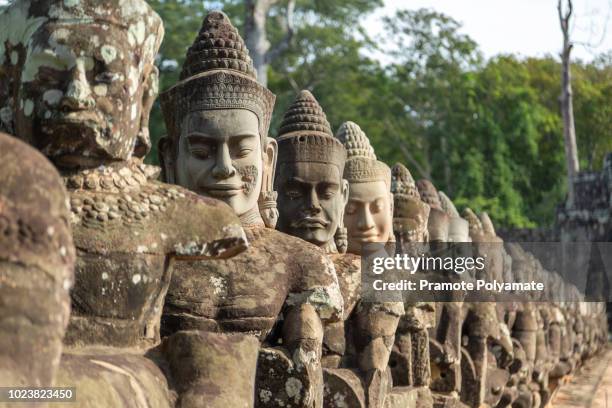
(217,74)
(402,181)
(218,46)
(447,205)
(406,199)
(429,194)
(361,165)
(305,135)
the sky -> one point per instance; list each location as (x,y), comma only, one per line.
(525,27)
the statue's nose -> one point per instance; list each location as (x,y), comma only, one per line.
(223,166)
(78,93)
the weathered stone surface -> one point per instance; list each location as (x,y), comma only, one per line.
(228,296)
(36,266)
(125,262)
(199,361)
(343,388)
(104,378)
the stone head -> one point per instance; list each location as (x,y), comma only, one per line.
(458,228)
(217,118)
(410,214)
(312,192)
(368,215)
(80,77)
(439,220)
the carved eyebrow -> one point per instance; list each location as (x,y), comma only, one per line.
(54,60)
(328,184)
(365,201)
(296,180)
(196,136)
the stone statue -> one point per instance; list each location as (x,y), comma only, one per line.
(489,345)
(281,289)
(458,228)
(368,215)
(81,82)
(313,193)
(312,198)
(410,214)
(36,266)
(439,221)
(410,356)
(445,339)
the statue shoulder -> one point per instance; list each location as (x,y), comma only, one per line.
(197,225)
(153,217)
(314,278)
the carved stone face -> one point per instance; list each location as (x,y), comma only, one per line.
(220,155)
(368,215)
(412,227)
(311,200)
(82,92)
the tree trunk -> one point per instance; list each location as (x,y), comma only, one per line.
(567,107)
(255,36)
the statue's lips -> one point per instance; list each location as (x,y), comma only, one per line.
(311,222)
(223,190)
(367,237)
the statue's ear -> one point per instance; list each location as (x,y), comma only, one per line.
(345,191)
(149,93)
(270,157)
(166,159)
(341,234)
(267,195)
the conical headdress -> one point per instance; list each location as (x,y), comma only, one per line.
(305,135)
(402,181)
(361,165)
(218,74)
(406,200)
(447,205)
(429,193)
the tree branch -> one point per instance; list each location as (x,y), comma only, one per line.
(284,44)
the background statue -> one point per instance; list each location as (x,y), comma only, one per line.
(410,356)
(368,215)
(312,199)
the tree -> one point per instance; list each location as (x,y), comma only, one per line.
(567,107)
(256,36)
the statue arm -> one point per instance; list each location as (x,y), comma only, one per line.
(376,324)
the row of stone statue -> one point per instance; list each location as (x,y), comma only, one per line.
(143,293)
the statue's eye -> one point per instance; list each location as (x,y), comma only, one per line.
(244,152)
(47,75)
(106,77)
(201,151)
(350,209)
(293,194)
(377,205)
(328,192)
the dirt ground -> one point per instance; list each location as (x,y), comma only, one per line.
(590,387)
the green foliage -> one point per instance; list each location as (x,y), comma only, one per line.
(488,133)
